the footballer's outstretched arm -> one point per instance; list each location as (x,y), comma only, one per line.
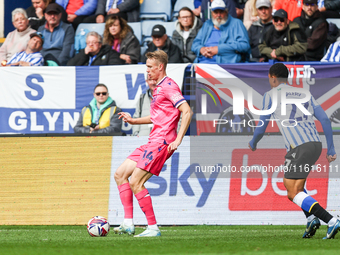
(259,132)
(127,118)
(320,114)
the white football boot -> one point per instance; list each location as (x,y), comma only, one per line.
(149,233)
(124,229)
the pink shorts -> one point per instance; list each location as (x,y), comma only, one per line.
(151,157)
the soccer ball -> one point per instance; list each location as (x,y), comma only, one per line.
(98,226)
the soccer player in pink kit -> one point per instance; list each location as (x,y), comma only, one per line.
(166,107)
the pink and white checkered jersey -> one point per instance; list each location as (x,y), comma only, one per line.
(164,111)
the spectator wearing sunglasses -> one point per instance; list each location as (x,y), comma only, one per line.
(315,28)
(31,56)
(285,41)
(101,115)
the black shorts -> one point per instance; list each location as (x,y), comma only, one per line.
(299,161)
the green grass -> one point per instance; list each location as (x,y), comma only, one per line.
(49,240)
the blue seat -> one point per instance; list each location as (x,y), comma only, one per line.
(137,30)
(334,21)
(179,5)
(98,27)
(170,27)
(143,50)
(155,9)
(147,26)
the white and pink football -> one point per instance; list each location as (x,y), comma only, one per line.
(98,226)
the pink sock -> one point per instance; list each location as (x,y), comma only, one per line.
(125,194)
(145,204)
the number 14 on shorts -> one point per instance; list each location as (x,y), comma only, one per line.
(147,155)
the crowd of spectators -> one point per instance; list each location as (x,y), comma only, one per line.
(213,31)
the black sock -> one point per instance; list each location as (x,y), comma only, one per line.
(306,213)
(321,213)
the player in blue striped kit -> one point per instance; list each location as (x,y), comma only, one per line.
(302,142)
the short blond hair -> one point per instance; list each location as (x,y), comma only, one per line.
(158,55)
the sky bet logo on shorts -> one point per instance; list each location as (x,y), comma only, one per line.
(259,186)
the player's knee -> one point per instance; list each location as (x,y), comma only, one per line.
(118,176)
(135,185)
(292,193)
(291,196)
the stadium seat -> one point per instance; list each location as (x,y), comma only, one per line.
(182,3)
(334,21)
(98,27)
(143,50)
(155,9)
(170,27)
(137,30)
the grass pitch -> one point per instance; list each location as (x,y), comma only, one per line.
(49,240)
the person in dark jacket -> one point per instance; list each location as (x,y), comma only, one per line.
(127,9)
(36,13)
(95,53)
(259,28)
(187,28)
(331,9)
(160,41)
(101,115)
(120,37)
(315,28)
(284,41)
(59,37)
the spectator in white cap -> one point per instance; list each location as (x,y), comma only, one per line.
(205,10)
(260,27)
(222,39)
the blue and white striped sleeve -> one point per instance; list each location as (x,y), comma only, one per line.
(262,125)
(320,114)
(36,60)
